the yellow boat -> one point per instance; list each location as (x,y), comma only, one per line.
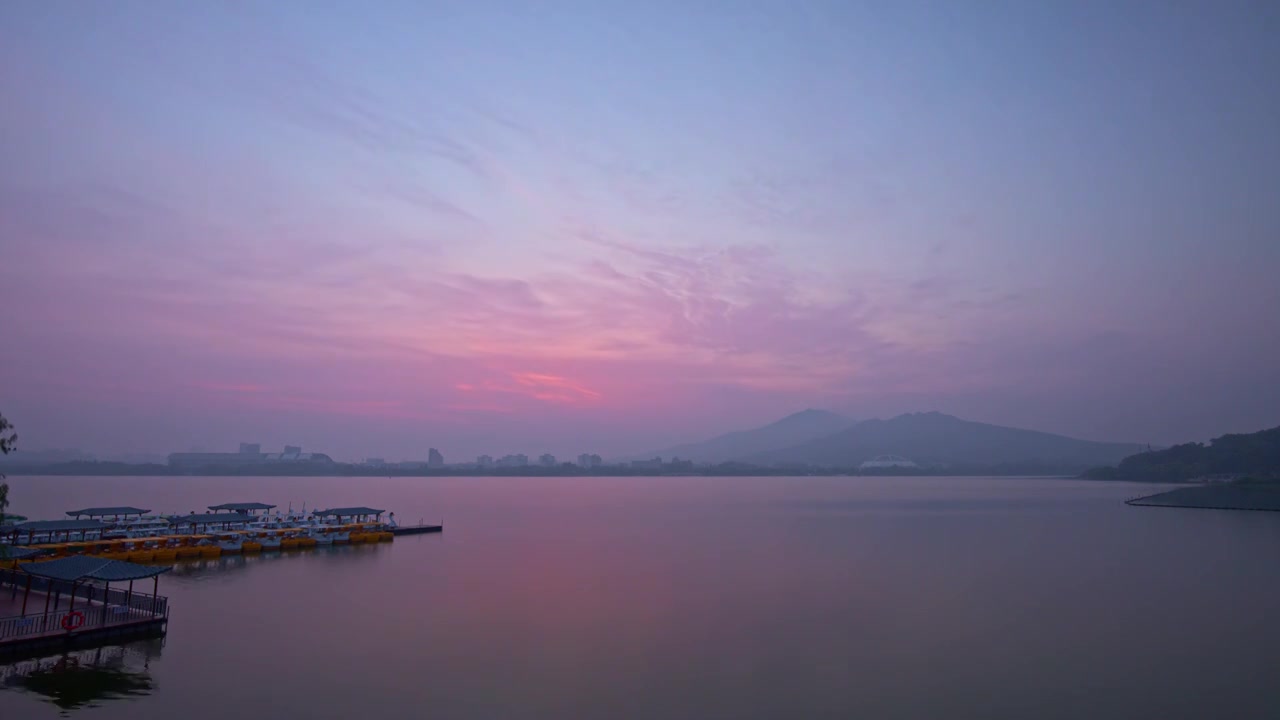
(141,556)
(210,551)
(164,555)
(289,543)
(188,552)
(250,546)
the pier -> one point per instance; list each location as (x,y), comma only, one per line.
(419,529)
(59,604)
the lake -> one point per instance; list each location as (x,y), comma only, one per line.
(692,597)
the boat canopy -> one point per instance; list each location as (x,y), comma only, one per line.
(105,511)
(15,552)
(242,507)
(57,526)
(348,512)
(207,518)
(84,567)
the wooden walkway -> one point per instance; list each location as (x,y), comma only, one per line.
(416,529)
(123,614)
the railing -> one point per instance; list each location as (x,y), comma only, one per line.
(96,616)
(113,607)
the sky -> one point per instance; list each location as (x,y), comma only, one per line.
(375,228)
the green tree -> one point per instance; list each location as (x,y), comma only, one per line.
(8,443)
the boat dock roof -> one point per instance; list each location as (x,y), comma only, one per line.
(348,512)
(84,567)
(207,518)
(242,507)
(104,511)
(56,526)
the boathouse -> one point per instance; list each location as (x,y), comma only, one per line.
(70,602)
(122,512)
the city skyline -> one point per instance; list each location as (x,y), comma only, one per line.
(621,229)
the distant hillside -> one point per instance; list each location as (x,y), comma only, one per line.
(937,439)
(1255,455)
(789,431)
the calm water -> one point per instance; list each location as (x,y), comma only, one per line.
(697,598)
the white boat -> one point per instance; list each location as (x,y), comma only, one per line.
(228,541)
(139,528)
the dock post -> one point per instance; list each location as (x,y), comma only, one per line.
(26,594)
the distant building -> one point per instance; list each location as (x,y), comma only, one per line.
(292,449)
(547,460)
(246,457)
(375,462)
(654,464)
(590,461)
(484,461)
(882,462)
(434,458)
(296,456)
(207,459)
(517,460)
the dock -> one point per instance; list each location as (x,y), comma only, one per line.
(419,529)
(41,614)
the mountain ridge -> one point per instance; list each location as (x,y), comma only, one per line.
(793,429)
(934,438)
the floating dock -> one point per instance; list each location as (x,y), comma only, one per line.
(56,605)
(417,529)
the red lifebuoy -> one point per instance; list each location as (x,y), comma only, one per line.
(72,620)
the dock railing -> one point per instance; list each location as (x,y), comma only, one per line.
(99,608)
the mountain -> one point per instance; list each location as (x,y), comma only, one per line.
(1255,455)
(790,430)
(937,439)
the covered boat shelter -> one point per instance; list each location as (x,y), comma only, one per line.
(115,513)
(78,600)
(198,520)
(246,508)
(54,528)
(350,514)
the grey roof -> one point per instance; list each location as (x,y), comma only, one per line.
(13,552)
(58,526)
(349,511)
(86,567)
(242,506)
(101,511)
(203,518)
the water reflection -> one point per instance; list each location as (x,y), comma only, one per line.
(206,568)
(86,678)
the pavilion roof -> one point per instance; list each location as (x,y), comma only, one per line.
(240,507)
(348,512)
(103,511)
(205,518)
(86,567)
(57,526)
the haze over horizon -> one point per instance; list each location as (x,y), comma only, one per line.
(614,228)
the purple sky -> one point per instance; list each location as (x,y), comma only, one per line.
(608,227)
